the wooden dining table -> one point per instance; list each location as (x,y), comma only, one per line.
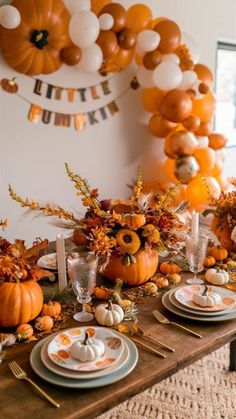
(18,400)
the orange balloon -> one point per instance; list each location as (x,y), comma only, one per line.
(118,13)
(218,168)
(151,99)
(192,123)
(97,5)
(152,59)
(169,168)
(138,59)
(176,106)
(223,181)
(205,107)
(170,35)
(160,127)
(206,159)
(205,128)
(180,194)
(121,59)
(204,74)
(217,141)
(139,17)
(200,190)
(157,20)
(107,40)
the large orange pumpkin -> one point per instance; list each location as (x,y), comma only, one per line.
(223,234)
(35,46)
(136,273)
(19,302)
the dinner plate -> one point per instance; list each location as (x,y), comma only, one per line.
(48,261)
(185,295)
(59,348)
(49,376)
(82,375)
(169,306)
(190,310)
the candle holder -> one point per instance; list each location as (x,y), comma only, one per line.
(196,247)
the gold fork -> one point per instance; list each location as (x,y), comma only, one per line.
(162,319)
(21,375)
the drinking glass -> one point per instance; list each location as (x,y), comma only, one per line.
(82,271)
(196,247)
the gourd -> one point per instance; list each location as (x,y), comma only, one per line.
(101,293)
(44,323)
(20,302)
(87,350)
(35,46)
(217,276)
(134,221)
(109,314)
(209,261)
(161,282)
(128,240)
(52,309)
(218,252)
(24,331)
(174,278)
(207,300)
(169,268)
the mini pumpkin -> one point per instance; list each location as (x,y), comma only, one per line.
(151,233)
(134,221)
(161,281)
(87,350)
(218,252)
(24,331)
(128,240)
(207,299)
(209,261)
(169,268)
(217,276)
(9,85)
(52,309)
(109,314)
(175,278)
(44,323)
(101,293)
(150,287)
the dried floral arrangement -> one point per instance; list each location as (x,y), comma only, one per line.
(224,208)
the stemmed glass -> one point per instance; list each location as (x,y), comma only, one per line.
(196,247)
(82,271)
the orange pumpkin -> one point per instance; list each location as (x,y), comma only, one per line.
(218,252)
(169,268)
(135,273)
(209,261)
(35,46)
(19,302)
(223,234)
(53,309)
(24,331)
(134,221)
(101,293)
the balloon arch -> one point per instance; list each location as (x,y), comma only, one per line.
(38,36)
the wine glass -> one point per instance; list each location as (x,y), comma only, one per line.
(82,271)
(196,247)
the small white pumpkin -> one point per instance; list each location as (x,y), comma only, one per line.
(217,276)
(207,300)
(233,235)
(109,314)
(87,350)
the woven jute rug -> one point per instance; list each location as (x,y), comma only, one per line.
(204,390)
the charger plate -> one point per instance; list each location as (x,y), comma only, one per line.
(82,375)
(49,376)
(169,306)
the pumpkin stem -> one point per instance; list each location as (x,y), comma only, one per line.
(86,340)
(110,306)
(205,290)
(39,38)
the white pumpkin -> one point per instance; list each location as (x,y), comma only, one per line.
(109,314)
(233,235)
(217,276)
(87,350)
(208,300)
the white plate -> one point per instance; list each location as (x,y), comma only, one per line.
(185,295)
(59,348)
(82,375)
(48,261)
(50,377)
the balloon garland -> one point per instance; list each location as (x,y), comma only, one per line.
(101,35)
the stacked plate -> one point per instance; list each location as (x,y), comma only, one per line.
(48,262)
(52,361)
(179,301)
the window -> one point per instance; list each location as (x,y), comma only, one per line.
(225,117)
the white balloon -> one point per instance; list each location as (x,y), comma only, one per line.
(171,57)
(167,76)
(203,142)
(106,21)
(145,77)
(84,28)
(192,45)
(189,78)
(148,40)
(91,59)
(75,6)
(221,154)
(10,17)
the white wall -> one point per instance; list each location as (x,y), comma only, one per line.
(32,157)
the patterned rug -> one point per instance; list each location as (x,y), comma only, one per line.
(204,390)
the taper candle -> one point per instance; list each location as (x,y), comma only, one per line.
(61,262)
(195,224)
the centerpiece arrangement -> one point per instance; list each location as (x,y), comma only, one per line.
(127,233)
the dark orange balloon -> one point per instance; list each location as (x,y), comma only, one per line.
(176,106)
(157,20)
(170,35)
(204,74)
(139,17)
(152,59)
(204,129)
(121,59)
(71,55)
(152,98)
(118,13)
(97,5)
(205,107)
(107,40)
(217,141)
(127,38)
(192,123)
(160,127)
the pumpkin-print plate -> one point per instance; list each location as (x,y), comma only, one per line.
(185,296)
(48,261)
(59,348)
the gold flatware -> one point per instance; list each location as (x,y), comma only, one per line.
(144,345)
(137,330)
(21,375)
(162,319)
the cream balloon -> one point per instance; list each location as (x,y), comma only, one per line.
(192,45)
(148,40)
(84,28)
(171,57)
(145,77)
(221,154)
(91,59)
(106,21)
(10,17)
(75,6)
(189,78)
(203,142)
(167,76)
